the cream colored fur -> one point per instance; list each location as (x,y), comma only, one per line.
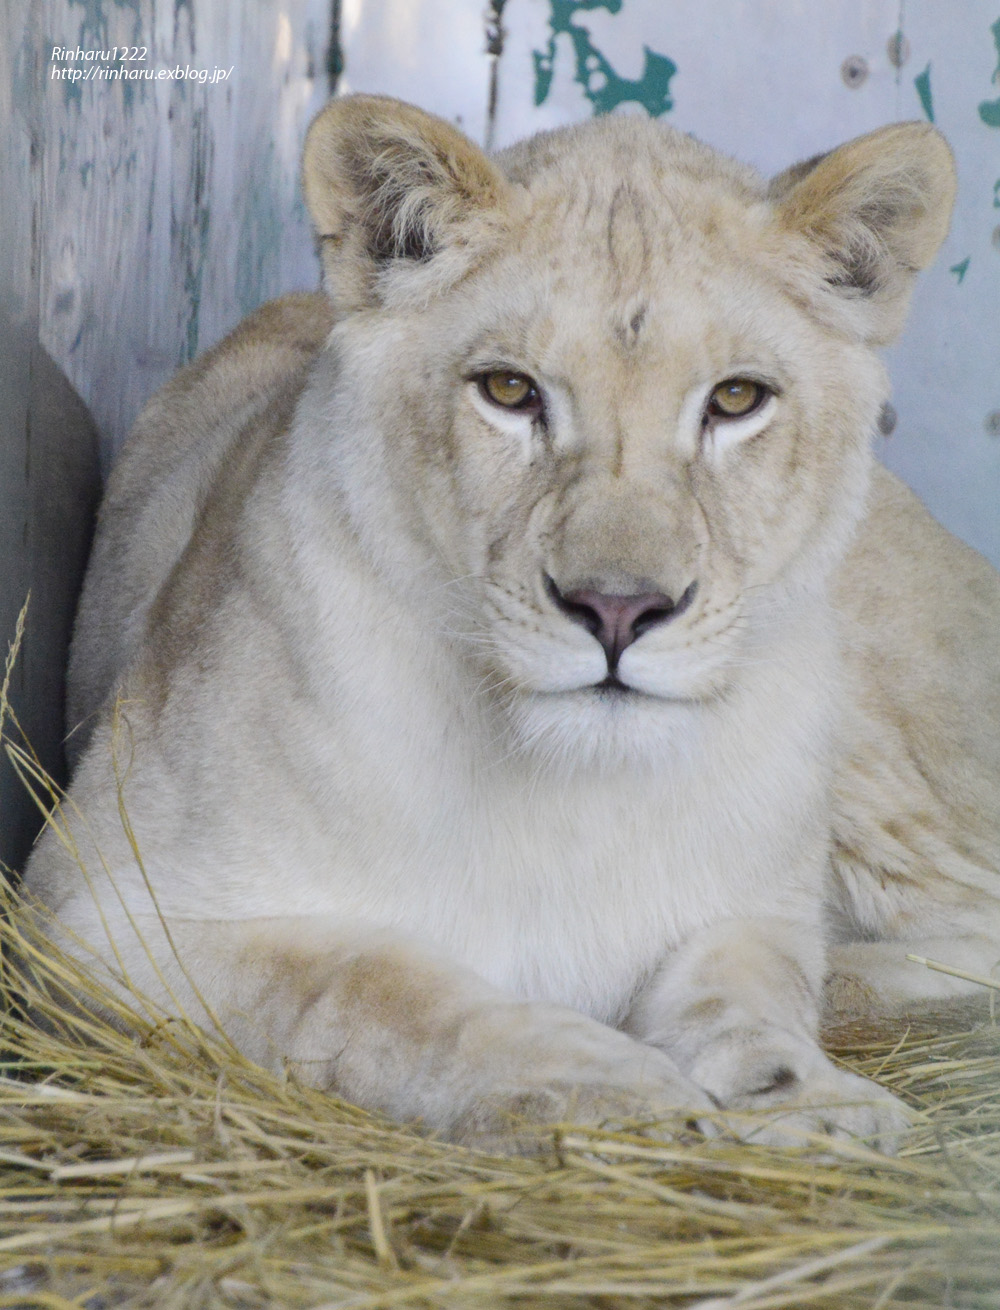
(399,836)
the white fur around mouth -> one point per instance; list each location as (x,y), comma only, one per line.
(612,691)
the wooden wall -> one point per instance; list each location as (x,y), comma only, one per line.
(170,206)
(140,218)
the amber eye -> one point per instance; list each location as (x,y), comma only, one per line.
(510,390)
(736,397)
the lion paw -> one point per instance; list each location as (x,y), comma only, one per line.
(785,1093)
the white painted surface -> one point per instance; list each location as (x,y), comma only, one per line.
(431,54)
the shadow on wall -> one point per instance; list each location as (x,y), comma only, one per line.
(49,488)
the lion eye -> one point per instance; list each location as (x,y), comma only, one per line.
(510,390)
(735,398)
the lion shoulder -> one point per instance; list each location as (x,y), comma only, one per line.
(163,482)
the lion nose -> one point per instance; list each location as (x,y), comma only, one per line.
(618,621)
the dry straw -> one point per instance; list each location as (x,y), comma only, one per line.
(144,1163)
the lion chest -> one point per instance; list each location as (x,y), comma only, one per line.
(569,892)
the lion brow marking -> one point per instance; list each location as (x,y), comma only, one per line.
(627,240)
(630,324)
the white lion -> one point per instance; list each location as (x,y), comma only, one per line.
(524,687)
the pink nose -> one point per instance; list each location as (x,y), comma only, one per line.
(617,621)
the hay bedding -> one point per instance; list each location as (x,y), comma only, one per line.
(161,1170)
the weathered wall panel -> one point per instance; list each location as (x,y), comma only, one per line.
(946,368)
(171,206)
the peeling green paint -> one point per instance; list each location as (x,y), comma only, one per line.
(923,84)
(128,95)
(996,194)
(961,269)
(94,33)
(989,110)
(72,92)
(602,86)
(129,88)
(93,30)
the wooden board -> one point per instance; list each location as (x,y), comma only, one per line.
(170,205)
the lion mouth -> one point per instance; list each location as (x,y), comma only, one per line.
(612,688)
(611,691)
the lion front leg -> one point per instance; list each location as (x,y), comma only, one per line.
(737,1007)
(395,1028)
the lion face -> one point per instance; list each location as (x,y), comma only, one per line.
(623,415)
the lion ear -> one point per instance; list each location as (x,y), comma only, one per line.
(388,187)
(878,209)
